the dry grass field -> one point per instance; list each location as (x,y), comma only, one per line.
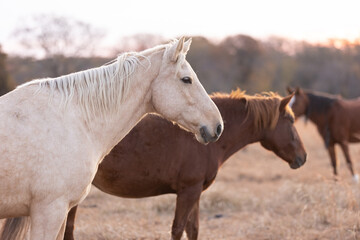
(255,196)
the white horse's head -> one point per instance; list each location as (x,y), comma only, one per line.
(178,95)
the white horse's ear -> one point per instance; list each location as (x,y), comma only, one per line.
(187,45)
(176,49)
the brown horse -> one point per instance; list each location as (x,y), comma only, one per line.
(336,119)
(158,157)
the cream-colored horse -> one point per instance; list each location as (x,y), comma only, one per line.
(55,132)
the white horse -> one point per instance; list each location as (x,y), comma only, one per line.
(55,132)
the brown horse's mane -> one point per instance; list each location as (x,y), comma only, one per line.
(264,107)
(319,102)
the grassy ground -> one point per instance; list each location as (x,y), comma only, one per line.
(255,196)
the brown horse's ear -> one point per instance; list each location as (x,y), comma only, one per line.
(298,90)
(285,101)
(290,90)
(243,100)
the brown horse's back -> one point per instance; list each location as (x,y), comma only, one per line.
(353,111)
(128,172)
(344,120)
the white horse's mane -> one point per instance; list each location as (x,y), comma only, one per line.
(98,90)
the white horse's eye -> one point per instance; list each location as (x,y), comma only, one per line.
(187,80)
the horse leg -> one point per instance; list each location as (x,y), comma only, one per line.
(60,235)
(192,225)
(334,162)
(345,149)
(70,224)
(185,201)
(47,220)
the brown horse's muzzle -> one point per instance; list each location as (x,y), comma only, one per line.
(298,162)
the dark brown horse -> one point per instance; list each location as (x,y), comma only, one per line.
(158,157)
(336,119)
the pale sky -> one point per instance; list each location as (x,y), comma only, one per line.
(310,20)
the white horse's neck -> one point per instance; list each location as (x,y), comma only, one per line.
(106,133)
(95,102)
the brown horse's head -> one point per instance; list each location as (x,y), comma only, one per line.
(283,138)
(299,103)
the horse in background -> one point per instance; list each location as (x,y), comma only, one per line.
(55,132)
(336,119)
(157,157)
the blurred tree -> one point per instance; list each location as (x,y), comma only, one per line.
(238,61)
(329,68)
(6,82)
(276,66)
(138,42)
(57,38)
(211,64)
(246,51)
(23,69)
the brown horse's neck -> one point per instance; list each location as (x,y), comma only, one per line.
(238,128)
(318,107)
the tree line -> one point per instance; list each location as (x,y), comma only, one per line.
(237,61)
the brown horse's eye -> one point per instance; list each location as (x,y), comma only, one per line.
(187,80)
(292,120)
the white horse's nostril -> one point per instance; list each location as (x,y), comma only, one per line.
(204,134)
(218,130)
